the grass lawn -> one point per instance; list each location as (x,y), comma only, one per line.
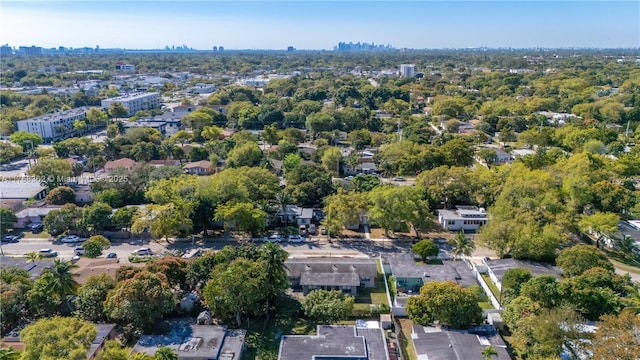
(485,305)
(492,286)
(376,295)
(406,343)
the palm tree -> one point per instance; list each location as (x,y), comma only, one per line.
(33,256)
(489,352)
(461,245)
(62,279)
(283,199)
(276,272)
(9,354)
(141,356)
(165,353)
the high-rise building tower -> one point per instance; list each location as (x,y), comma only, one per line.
(407,70)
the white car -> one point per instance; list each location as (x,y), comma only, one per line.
(48,253)
(70,239)
(296,238)
(79,251)
(143,252)
(274,238)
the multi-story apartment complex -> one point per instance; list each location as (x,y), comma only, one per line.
(56,126)
(134,102)
(407,70)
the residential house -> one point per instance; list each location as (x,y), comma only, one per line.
(30,188)
(334,342)
(12,204)
(34,268)
(293,214)
(467,218)
(440,344)
(84,195)
(104,333)
(411,276)
(159,125)
(516,153)
(502,157)
(497,268)
(196,342)
(202,167)
(124,163)
(345,274)
(34,214)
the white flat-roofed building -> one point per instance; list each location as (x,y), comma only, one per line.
(407,70)
(29,188)
(134,102)
(467,218)
(53,127)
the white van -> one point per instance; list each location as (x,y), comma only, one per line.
(143,252)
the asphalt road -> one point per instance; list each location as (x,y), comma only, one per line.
(125,248)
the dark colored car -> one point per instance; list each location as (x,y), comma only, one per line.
(112,256)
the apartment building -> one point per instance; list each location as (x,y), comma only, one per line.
(53,127)
(407,70)
(134,102)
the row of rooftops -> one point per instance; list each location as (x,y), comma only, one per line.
(60,115)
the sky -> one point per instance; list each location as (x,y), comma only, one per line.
(319,24)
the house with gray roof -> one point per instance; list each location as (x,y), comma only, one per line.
(497,268)
(345,274)
(195,342)
(335,342)
(431,343)
(466,218)
(34,268)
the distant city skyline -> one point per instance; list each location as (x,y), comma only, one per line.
(320,24)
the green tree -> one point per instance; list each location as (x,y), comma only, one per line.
(446,302)
(26,140)
(91,297)
(140,301)
(57,338)
(600,225)
(244,217)
(270,134)
(542,289)
(512,281)
(580,258)
(211,132)
(61,195)
(15,282)
(79,126)
(343,209)
(51,172)
(162,221)
(519,308)
(276,279)
(165,353)
(117,110)
(248,154)
(461,245)
(617,337)
(7,220)
(489,156)
(291,161)
(41,300)
(95,246)
(425,249)
(489,352)
(9,354)
(331,158)
(114,351)
(328,307)
(365,183)
(97,216)
(62,282)
(95,116)
(235,289)
(397,208)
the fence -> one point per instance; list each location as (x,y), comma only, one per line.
(485,287)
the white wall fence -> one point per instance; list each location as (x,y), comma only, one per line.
(483,284)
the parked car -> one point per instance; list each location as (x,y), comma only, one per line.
(48,253)
(323,231)
(36,228)
(274,238)
(399,178)
(79,250)
(296,238)
(302,230)
(70,239)
(112,256)
(312,229)
(143,252)
(11,238)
